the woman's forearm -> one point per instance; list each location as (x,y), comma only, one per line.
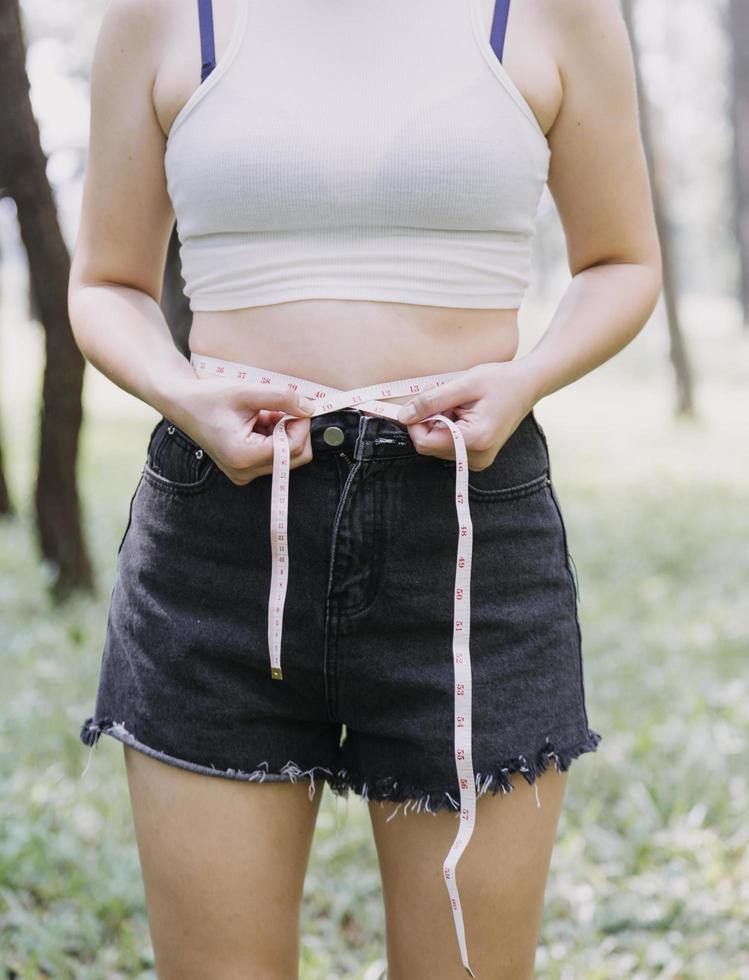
(604,308)
(123,333)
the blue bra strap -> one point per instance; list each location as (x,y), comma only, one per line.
(499,26)
(207,49)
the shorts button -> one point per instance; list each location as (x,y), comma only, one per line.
(333,435)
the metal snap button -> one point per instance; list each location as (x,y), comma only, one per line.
(333,435)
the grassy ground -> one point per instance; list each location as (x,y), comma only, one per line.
(650,874)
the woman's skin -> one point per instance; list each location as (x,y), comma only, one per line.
(224,861)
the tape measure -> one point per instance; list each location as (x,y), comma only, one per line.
(369,399)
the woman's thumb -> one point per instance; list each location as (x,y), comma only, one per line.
(277,398)
(432,401)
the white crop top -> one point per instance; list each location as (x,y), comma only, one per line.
(356,150)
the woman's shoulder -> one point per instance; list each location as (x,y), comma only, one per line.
(133,30)
(581,22)
(138,16)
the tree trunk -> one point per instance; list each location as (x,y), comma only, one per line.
(678,348)
(23,173)
(174,304)
(6,505)
(739,33)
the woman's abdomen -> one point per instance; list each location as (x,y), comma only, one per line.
(352,343)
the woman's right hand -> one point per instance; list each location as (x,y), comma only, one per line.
(234,422)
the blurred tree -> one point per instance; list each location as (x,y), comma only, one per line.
(678,348)
(6,506)
(23,175)
(174,303)
(738,28)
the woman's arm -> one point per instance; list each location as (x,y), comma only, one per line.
(118,262)
(599,180)
(126,218)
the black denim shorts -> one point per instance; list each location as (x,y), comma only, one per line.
(366,700)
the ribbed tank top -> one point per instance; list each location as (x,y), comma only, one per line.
(350,150)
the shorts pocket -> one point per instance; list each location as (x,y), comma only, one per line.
(487,490)
(565,545)
(520,468)
(130,513)
(176,463)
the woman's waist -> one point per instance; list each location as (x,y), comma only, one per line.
(349,345)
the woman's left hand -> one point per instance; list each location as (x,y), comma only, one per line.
(487,403)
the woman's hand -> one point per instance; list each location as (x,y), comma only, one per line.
(234,422)
(487,403)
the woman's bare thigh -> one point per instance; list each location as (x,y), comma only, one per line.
(223,866)
(501,877)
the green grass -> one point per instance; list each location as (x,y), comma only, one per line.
(649,875)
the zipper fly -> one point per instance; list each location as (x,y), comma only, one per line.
(347,458)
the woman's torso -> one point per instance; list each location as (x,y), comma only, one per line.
(348,343)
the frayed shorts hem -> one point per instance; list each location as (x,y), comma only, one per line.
(290,772)
(498,780)
(380,790)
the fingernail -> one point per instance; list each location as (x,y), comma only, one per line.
(408,412)
(307,405)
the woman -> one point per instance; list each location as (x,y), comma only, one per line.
(355,188)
